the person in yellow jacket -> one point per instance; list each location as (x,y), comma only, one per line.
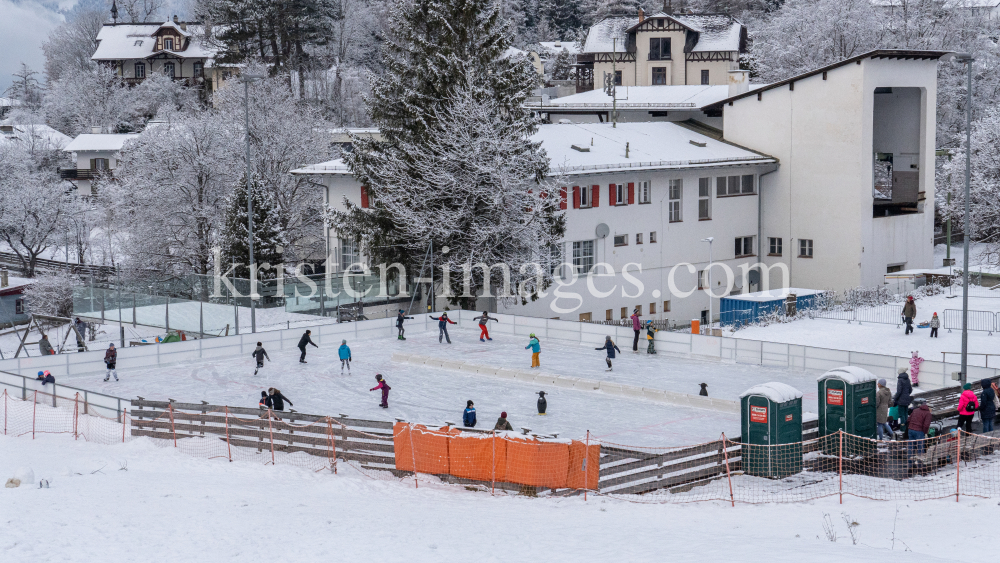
(650,331)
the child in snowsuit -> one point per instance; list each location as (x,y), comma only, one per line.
(611,347)
(650,331)
(385,390)
(259,354)
(484,333)
(265,400)
(399,324)
(935,325)
(345,356)
(469,416)
(536,349)
(443,321)
(111,360)
(46,377)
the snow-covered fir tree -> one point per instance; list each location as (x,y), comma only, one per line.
(268,236)
(562,66)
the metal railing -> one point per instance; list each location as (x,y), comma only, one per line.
(890,313)
(106,405)
(982,321)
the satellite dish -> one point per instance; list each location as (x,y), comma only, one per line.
(754,277)
(603,230)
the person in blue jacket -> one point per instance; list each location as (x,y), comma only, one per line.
(536,349)
(399,324)
(345,356)
(469,416)
(611,347)
(443,321)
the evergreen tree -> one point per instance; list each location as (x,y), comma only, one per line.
(268,238)
(562,67)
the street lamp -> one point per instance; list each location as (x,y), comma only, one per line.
(709,272)
(246,79)
(968,60)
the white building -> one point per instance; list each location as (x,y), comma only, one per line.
(32,136)
(96,155)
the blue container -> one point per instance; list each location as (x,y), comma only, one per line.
(748,308)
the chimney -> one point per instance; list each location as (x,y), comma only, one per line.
(4,280)
(642,16)
(739,82)
(175,19)
(95,130)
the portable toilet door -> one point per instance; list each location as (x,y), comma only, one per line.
(847,403)
(771,424)
(757,432)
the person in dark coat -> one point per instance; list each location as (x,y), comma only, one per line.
(259,354)
(45,377)
(45,347)
(469,416)
(265,401)
(909,312)
(902,398)
(399,324)
(883,397)
(503,423)
(385,390)
(302,345)
(636,328)
(610,346)
(920,423)
(987,408)
(443,321)
(81,334)
(278,400)
(111,361)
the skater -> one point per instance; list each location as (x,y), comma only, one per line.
(259,354)
(502,423)
(385,390)
(650,331)
(484,333)
(469,416)
(345,357)
(265,401)
(399,324)
(987,406)
(968,404)
(636,327)
(919,425)
(935,325)
(278,400)
(81,334)
(536,349)
(704,390)
(302,346)
(45,347)
(883,397)
(902,398)
(443,321)
(46,377)
(909,312)
(610,346)
(542,403)
(915,361)
(111,360)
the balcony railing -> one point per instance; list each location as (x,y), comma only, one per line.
(78,173)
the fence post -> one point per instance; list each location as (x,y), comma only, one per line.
(4,412)
(493,471)
(76,416)
(729,478)
(333,445)
(170,408)
(958,464)
(413,454)
(124,422)
(270,431)
(34,407)
(840,465)
(229,448)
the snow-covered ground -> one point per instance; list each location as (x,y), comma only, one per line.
(167,506)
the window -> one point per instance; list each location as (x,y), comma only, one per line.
(607,315)
(720,186)
(805,248)
(704,78)
(676,188)
(621,240)
(618,78)
(659,76)
(99,164)
(704,199)
(638,238)
(621,195)
(702,279)
(583,256)
(140,70)
(585,317)
(644,192)
(168,69)
(734,185)
(199,69)
(774,246)
(19,306)
(168,43)
(659,49)
(746,182)
(138,43)
(744,246)
(638,310)
(666,306)
(652,308)
(555,258)
(652,237)
(624,312)
(348,254)
(894,269)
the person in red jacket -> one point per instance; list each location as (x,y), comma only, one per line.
(385,390)
(636,328)
(968,404)
(919,424)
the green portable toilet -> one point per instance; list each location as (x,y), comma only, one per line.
(771,423)
(847,402)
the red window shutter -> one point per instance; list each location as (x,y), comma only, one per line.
(576,197)
(562,198)
(364,197)
(596,193)
(631,193)
(612,194)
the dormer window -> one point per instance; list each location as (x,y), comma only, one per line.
(168,43)
(138,43)
(659,23)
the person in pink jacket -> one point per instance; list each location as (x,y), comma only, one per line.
(385,390)
(637,328)
(968,404)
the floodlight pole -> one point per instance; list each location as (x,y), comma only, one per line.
(968,226)
(246,79)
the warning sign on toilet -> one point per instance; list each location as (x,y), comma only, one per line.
(835,396)
(758,414)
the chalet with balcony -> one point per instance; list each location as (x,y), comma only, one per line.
(96,157)
(661,50)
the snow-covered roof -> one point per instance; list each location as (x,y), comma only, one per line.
(775,392)
(971,4)
(9,102)
(136,41)
(169,24)
(774,294)
(652,145)
(15,285)
(329,167)
(99,142)
(645,97)
(602,35)
(26,132)
(850,374)
(715,33)
(556,47)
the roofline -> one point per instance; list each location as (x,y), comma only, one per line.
(904,54)
(673,17)
(150,23)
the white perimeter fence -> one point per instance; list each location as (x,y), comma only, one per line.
(933,375)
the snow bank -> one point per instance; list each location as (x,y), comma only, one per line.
(850,374)
(775,391)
